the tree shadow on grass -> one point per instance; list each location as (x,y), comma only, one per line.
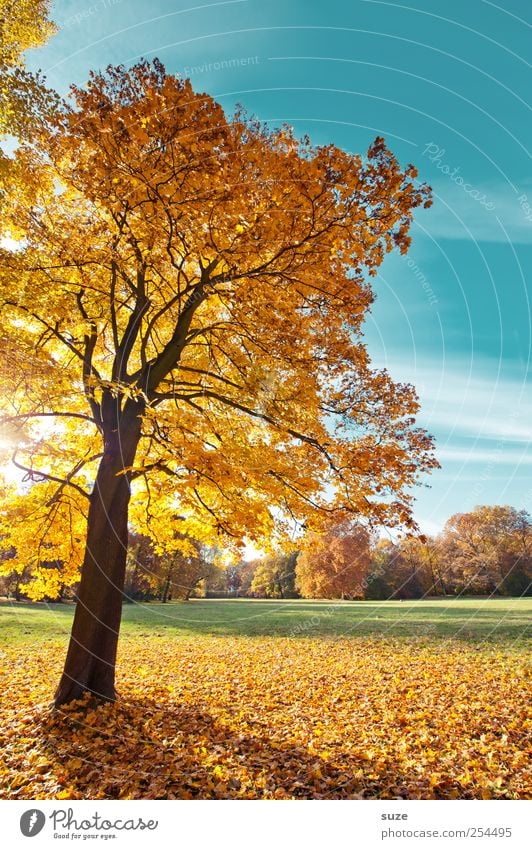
(144,750)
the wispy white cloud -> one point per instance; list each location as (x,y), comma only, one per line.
(475,410)
(493,456)
(456,215)
(481,423)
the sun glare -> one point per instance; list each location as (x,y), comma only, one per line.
(7,243)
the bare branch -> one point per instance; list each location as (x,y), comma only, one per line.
(5,419)
(38,476)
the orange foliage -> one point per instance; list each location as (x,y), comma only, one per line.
(480,549)
(335,565)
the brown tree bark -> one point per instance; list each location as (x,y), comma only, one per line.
(166,590)
(91,657)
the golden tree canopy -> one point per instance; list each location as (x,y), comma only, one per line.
(210,276)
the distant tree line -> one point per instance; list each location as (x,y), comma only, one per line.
(487,551)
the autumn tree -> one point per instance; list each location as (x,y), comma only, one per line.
(415,570)
(481,549)
(335,564)
(379,581)
(430,558)
(232,579)
(287,569)
(185,314)
(274,576)
(10,581)
(23,24)
(170,575)
(181,572)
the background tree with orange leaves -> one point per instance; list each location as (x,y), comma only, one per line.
(335,564)
(185,313)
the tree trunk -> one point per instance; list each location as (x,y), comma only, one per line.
(442,582)
(91,657)
(166,590)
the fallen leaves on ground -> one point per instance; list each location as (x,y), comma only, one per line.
(273,718)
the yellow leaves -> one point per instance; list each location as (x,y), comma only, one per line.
(23,25)
(46,553)
(65,794)
(272,718)
(141,135)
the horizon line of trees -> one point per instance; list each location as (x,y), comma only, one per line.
(487,551)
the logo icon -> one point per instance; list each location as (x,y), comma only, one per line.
(32,822)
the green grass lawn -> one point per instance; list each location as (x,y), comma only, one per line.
(476,619)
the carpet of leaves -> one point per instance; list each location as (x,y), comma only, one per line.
(273,718)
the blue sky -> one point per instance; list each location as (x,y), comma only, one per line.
(448,86)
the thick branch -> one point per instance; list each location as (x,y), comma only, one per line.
(131,332)
(90,340)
